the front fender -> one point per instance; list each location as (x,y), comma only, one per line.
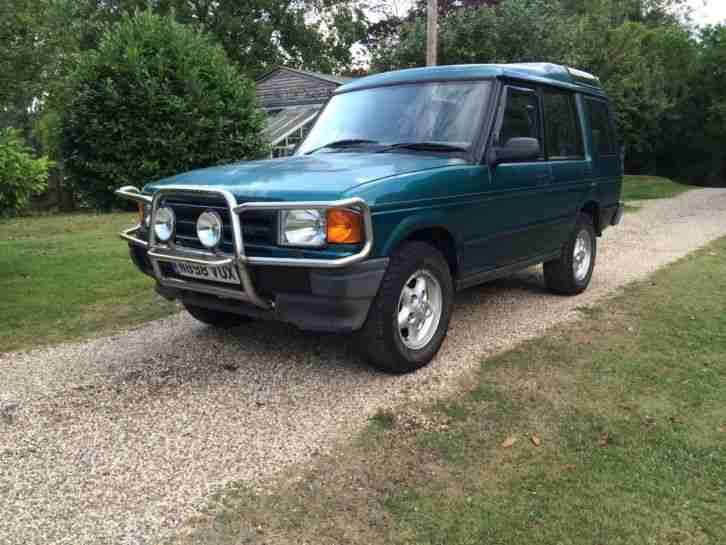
(406,226)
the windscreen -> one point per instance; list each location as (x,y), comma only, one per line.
(447,113)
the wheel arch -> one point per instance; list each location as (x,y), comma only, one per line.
(592,209)
(427,230)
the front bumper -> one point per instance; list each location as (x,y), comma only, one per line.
(332,301)
(334,294)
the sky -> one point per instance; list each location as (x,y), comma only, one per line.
(714,11)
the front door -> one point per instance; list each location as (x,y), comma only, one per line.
(516,212)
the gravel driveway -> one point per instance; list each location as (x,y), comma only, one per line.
(118,439)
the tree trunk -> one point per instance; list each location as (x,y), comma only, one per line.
(66,197)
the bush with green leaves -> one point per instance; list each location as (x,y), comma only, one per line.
(21,175)
(154,99)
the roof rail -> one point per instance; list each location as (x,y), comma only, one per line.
(586,78)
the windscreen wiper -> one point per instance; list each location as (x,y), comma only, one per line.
(425,146)
(344,143)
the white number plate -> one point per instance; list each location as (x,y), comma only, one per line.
(226,273)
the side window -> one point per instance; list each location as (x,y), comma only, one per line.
(521,116)
(562,126)
(603,138)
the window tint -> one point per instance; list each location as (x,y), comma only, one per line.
(521,116)
(564,136)
(603,138)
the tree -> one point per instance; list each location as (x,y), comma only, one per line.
(256,34)
(261,34)
(27,60)
(392,17)
(516,30)
(651,12)
(697,138)
(156,98)
(21,175)
(631,68)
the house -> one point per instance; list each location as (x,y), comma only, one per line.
(292,99)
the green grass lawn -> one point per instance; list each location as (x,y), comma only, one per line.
(636,188)
(67,277)
(628,404)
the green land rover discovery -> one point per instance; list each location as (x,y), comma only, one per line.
(410,186)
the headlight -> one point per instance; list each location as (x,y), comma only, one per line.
(164,224)
(302,228)
(209,228)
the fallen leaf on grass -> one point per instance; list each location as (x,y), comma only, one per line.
(509,441)
(722,428)
(677,420)
(536,441)
(604,439)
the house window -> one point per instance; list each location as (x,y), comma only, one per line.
(288,127)
(286,146)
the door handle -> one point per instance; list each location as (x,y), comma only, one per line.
(544,178)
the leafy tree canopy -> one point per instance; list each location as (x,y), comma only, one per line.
(21,176)
(42,39)
(154,99)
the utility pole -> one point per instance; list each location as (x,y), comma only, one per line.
(432,38)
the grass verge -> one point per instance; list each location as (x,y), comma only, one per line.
(67,277)
(638,188)
(609,430)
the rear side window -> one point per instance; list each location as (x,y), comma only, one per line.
(562,126)
(521,116)
(603,138)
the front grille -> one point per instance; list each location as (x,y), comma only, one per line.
(259,227)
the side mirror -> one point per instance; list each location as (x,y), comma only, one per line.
(515,150)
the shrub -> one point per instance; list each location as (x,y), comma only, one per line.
(21,176)
(156,98)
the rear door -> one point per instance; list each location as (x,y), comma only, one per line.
(571,169)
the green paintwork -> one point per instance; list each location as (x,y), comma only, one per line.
(551,74)
(323,176)
(496,217)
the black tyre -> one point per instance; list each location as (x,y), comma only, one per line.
(216,318)
(410,315)
(571,273)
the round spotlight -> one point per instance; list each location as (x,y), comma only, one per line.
(209,229)
(164,224)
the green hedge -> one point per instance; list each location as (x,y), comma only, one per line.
(155,99)
(21,175)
